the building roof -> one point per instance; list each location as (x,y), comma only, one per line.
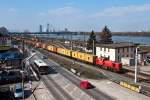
(10,55)
(40,63)
(117,45)
(143,51)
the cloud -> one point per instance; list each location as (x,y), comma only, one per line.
(12,10)
(121,11)
(63,11)
(120,18)
(67,10)
(42,14)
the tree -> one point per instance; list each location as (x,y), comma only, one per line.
(105,36)
(3,30)
(90,41)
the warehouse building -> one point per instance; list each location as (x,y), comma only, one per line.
(115,51)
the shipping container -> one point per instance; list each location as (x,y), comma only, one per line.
(38,44)
(44,46)
(81,56)
(68,52)
(74,54)
(50,48)
(61,51)
(89,58)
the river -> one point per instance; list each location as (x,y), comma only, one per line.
(135,39)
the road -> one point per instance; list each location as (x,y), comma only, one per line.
(57,92)
(111,75)
(96,94)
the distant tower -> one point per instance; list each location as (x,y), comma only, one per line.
(66,30)
(47,30)
(40,28)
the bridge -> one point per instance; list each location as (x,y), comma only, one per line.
(45,33)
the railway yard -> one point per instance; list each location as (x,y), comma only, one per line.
(67,68)
(101,72)
(67,82)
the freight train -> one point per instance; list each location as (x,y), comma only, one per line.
(84,57)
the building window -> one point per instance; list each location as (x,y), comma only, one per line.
(122,49)
(108,57)
(104,49)
(127,49)
(131,49)
(127,55)
(118,58)
(118,50)
(108,49)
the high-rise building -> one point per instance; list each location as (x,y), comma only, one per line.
(47,30)
(40,28)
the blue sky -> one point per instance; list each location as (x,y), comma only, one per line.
(76,15)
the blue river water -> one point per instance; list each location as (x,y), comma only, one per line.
(135,39)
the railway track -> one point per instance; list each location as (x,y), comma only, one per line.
(144,82)
(52,86)
(94,93)
(129,74)
(55,89)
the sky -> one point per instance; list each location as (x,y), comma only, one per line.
(75,15)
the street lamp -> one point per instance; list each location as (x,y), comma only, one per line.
(22,71)
(136,64)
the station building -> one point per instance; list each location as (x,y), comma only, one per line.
(115,51)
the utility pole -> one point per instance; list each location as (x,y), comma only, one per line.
(23,65)
(93,47)
(71,42)
(136,64)
(84,36)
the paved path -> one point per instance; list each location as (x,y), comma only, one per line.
(41,92)
(118,92)
(143,69)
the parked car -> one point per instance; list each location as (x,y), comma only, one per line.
(147,59)
(86,84)
(44,57)
(18,93)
